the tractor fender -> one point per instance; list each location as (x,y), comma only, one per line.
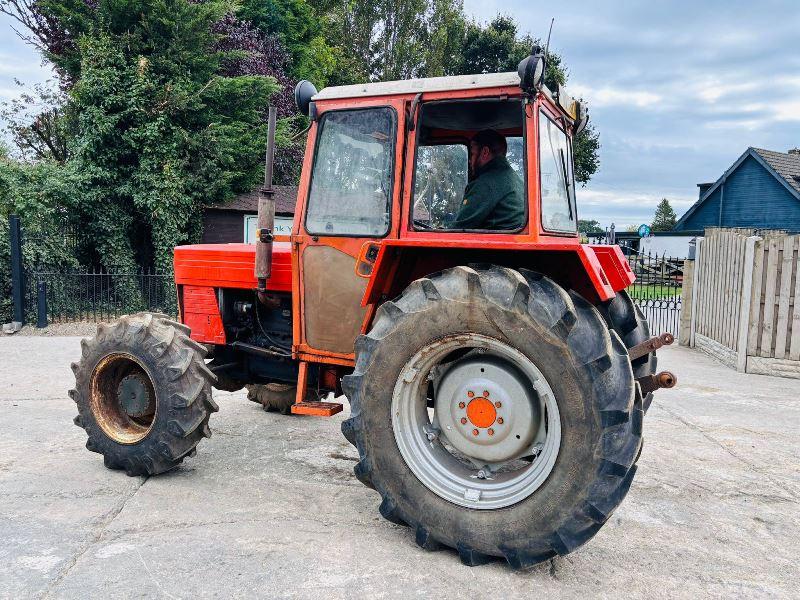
(596,272)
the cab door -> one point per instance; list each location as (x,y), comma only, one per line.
(351,193)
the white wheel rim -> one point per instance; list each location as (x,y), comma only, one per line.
(434,465)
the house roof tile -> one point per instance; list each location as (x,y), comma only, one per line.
(785,164)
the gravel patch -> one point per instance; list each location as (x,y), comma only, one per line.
(79,328)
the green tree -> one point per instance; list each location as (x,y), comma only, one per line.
(298,26)
(664,218)
(587,226)
(153,146)
(381,40)
(397,39)
(37,122)
(162,126)
(39,194)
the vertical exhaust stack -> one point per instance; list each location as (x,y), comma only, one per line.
(266,213)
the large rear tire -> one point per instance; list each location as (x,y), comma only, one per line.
(624,317)
(496,312)
(143,393)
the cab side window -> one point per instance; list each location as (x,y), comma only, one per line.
(352,178)
(555,171)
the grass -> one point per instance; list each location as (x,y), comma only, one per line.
(653,292)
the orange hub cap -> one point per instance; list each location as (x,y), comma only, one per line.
(481,412)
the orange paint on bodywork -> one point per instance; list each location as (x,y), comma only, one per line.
(231,266)
(604,270)
(201,314)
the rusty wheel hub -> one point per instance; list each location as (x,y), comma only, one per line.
(123,399)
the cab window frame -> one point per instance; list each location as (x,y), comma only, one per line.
(392,177)
(573,204)
(523,124)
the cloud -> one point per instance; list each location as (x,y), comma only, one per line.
(609,96)
(676,90)
(624,208)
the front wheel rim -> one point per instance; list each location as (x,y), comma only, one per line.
(122,398)
(424,441)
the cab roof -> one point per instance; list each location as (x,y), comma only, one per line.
(416,86)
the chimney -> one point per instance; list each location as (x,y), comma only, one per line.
(703,188)
(794,151)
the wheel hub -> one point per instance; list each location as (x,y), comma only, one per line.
(122,398)
(133,395)
(481,412)
(486,409)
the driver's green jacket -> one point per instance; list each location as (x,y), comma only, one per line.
(495,199)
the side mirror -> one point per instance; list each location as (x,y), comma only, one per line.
(531,73)
(582,119)
(303,92)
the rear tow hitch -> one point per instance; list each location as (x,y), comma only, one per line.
(651,383)
(651,345)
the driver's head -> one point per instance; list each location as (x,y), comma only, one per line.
(484,146)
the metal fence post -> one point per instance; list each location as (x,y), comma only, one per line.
(17,273)
(41,304)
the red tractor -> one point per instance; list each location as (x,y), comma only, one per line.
(497,376)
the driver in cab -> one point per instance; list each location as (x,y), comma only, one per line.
(494,196)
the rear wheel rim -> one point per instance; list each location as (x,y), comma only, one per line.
(472,450)
(122,398)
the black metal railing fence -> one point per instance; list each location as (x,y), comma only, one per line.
(96,295)
(657,290)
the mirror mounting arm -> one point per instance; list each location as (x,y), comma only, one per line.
(411,123)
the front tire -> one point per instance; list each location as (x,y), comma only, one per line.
(143,393)
(584,364)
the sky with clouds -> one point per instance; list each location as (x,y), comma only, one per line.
(677,89)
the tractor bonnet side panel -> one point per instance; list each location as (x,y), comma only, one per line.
(202,269)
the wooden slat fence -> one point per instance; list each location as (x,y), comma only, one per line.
(775,307)
(747,304)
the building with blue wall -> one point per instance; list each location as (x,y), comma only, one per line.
(761,190)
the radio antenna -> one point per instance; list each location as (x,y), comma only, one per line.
(547,45)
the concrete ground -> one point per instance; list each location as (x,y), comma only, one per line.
(269,506)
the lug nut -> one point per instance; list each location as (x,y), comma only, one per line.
(499,420)
(485,393)
(470,394)
(463,420)
(491,431)
(461,405)
(498,404)
(475,432)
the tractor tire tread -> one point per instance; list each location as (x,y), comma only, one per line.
(627,320)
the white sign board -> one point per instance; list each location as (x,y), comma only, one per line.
(283,226)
